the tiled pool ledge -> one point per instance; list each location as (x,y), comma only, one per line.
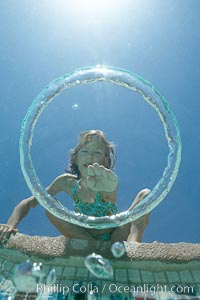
(153,263)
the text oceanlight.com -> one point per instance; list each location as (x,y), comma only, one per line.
(113,288)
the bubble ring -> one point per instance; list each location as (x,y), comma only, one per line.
(125,79)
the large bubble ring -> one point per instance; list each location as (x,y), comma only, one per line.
(127,80)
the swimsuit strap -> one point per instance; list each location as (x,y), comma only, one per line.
(75,189)
(76,198)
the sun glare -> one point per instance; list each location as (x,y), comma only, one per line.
(96,8)
(91,6)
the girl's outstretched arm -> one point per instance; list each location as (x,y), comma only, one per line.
(22,209)
(19,212)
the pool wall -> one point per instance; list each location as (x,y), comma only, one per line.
(152,264)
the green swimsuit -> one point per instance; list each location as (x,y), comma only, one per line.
(99,208)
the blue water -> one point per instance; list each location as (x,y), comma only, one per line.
(159,40)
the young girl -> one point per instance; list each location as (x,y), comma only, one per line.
(92,185)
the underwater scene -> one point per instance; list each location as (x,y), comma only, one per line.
(99,150)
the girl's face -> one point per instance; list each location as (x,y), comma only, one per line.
(91,152)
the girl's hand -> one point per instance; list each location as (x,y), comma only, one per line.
(5,232)
(101,179)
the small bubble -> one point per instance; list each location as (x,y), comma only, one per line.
(37,271)
(51,278)
(99,266)
(118,249)
(75,106)
(91,296)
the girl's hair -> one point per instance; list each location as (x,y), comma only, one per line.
(85,137)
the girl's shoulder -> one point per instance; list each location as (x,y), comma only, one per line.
(67,182)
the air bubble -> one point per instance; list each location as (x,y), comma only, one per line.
(99,266)
(28,275)
(75,106)
(51,278)
(24,279)
(91,296)
(118,249)
(122,78)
